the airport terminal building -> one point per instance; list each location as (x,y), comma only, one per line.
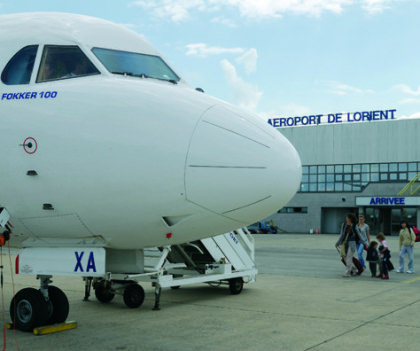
(354,167)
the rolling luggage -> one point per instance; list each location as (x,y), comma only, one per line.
(356,263)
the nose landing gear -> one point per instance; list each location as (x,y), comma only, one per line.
(28,309)
(31,308)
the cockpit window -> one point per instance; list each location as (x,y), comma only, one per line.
(61,62)
(134,64)
(19,68)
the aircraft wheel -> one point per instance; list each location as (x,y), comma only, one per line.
(133,295)
(59,304)
(29,309)
(175,287)
(103,292)
(236,285)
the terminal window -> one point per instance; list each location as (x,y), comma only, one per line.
(293,210)
(354,177)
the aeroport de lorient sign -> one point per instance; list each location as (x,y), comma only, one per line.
(388,201)
(332,118)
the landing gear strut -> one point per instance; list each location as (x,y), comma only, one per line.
(88,286)
(31,308)
(158,291)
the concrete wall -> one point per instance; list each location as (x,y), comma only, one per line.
(302,223)
(368,142)
(349,143)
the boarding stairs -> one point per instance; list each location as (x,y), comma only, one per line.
(412,187)
(216,259)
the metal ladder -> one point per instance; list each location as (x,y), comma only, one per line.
(235,248)
(409,186)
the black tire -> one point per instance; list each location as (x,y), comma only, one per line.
(103,292)
(176,286)
(133,295)
(29,309)
(236,285)
(60,305)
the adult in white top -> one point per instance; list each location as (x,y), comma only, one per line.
(365,231)
(407,240)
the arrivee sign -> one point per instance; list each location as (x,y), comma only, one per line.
(388,201)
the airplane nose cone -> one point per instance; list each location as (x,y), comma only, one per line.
(239,166)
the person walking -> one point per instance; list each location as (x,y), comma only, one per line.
(372,257)
(385,264)
(365,232)
(407,240)
(348,235)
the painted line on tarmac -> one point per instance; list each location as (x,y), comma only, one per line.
(350,300)
(361,325)
(411,280)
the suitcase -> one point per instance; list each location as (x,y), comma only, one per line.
(356,263)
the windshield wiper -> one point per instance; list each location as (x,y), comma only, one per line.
(143,75)
(173,81)
(123,73)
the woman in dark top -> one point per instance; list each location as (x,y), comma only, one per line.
(348,236)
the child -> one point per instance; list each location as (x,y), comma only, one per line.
(372,257)
(385,255)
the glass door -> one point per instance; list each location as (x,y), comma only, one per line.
(396,220)
(379,220)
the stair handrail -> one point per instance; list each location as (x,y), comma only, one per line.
(410,186)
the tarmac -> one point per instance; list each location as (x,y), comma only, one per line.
(299,302)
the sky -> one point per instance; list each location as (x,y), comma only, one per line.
(278,58)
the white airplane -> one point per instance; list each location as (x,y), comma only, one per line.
(106,150)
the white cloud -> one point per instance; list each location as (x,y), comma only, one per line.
(404,88)
(249,60)
(409,101)
(180,10)
(244,94)
(294,110)
(176,10)
(377,6)
(203,50)
(342,89)
(275,8)
(414,115)
(225,21)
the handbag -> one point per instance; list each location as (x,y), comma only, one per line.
(343,252)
